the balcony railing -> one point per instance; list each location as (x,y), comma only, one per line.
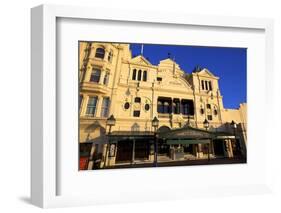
(95,87)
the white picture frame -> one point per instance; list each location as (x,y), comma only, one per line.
(44,149)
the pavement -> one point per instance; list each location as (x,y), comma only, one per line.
(197,162)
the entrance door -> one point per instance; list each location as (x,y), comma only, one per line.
(163,148)
(141,149)
(218,147)
(188,149)
(236,149)
(124,151)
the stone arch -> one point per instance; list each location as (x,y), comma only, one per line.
(164,128)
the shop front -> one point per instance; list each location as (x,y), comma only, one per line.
(130,147)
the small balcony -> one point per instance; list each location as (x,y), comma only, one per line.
(94,87)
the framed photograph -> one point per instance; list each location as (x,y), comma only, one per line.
(132,102)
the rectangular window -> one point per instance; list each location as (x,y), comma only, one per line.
(105,107)
(137,99)
(210,85)
(206,85)
(210,117)
(91,106)
(208,106)
(202,83)
(136,113)
(95,75)
(187,107)
(159,79)
(106,77)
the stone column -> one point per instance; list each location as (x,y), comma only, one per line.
(102,76)
(106,53)
(98,107)
(91,159)
(104,157)
(88,74)
(133,153)
(84,103)
(230,149)
(199,152)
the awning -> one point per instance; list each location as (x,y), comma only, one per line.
(186,142)
(130,135)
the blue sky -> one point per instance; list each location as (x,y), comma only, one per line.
(229,64)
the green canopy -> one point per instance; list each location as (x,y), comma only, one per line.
(186,142)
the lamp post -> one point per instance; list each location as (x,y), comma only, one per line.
(109,122)
(206,126)
(234,127)
(155,124)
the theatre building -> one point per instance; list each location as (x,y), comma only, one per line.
(134,112)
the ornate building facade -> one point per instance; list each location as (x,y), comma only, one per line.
(133,92)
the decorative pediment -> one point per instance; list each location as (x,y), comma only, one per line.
(168,64)
(140,60)
(206,72)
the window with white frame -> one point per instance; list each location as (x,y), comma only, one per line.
(92,106)
(95,75)
(105,107)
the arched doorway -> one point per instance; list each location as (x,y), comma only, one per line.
(163,147)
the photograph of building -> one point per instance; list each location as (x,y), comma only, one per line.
(135,113)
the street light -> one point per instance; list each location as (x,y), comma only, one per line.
(234,126)
(206,124)
(109,122)
(155,124)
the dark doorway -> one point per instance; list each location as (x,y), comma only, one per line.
(124,151)
(236,149)
(163,148)
(141,149)
(188,149)
(218,147)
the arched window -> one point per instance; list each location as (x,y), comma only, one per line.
(144,76)
(95,75)
(139,75)
(160,107)
(110,56)
(187,107)
(176,106)
(100,53)
(134,76)
(166,107)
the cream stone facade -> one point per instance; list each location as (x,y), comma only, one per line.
(134,91)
